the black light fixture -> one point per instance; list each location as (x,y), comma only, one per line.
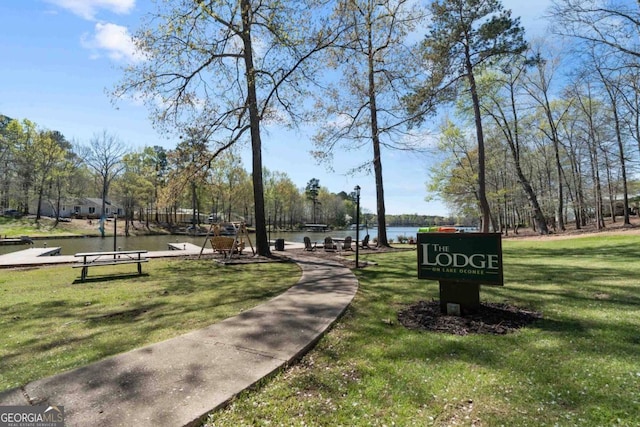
(357,190)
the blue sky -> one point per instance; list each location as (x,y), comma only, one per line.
(60,57)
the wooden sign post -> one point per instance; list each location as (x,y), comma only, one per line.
(461,262)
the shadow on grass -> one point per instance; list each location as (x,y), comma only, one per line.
(600,248)
(584,360)
(576,366)
(565,297)
(108,278)
(578,285)
(110,314)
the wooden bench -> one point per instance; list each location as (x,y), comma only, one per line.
(96,259)
(226,245)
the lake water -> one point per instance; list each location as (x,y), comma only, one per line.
(70,246)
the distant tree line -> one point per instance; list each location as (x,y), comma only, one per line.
(415,220)
(519,142)
(151,184)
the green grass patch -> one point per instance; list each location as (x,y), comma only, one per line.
(50,322)
(45,227)
(578,366)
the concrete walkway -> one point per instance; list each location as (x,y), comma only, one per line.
(178,381)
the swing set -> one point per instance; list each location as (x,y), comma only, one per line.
(227,245)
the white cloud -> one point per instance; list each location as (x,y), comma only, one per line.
(88,9)
(113,39)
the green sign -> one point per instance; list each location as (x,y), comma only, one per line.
(461,257)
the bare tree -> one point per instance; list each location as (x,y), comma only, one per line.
(501,105)
(366,108)
(225,68)
(612,83)
(575,143)
(103,155)
(614,24)
(631,98)
(539,87)
(590,108)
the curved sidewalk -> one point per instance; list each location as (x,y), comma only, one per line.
(178,381)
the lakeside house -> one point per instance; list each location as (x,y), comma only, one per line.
(81,207)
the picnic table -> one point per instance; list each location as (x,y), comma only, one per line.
(96,259)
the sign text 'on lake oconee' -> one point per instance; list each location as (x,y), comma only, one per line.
(461,257)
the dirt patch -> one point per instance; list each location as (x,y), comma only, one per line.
(348,258)
(243,259)
(345,257)
(491,318)
(610,227)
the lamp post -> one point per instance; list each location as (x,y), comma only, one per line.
(115,231)
(357,190)
(269,227)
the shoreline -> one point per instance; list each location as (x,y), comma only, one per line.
(76,227)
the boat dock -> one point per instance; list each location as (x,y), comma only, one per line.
(184,247)
(33,252)
(34,256)
(16,241)
(46,256)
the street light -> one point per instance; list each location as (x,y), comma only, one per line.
(115,231)
(357,190)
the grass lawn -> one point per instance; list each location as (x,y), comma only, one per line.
(46,227)
(50,324)
(578,366)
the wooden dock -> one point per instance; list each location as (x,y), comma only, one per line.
(184,247)
(34,256)
(16,241)
(34,252)
(43,256)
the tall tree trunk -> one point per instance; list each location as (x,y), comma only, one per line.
(485,211)
(532,198)
(40,197)
(588,110)
(262,242)
(377,158)
(623,167)
(560,186)
(128,216)
(597,188)
(194,208)
(58,201)
(610,188)
(25,199)
(576,197)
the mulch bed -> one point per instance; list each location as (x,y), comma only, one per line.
(491,318)
(345,257)
(348,257)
